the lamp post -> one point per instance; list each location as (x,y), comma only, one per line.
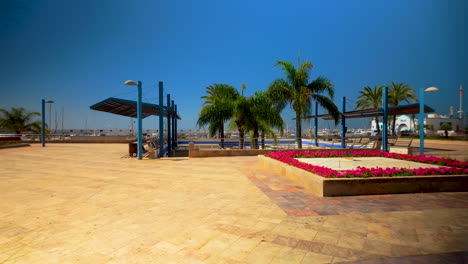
(43,128)
(421,116)
(139,117)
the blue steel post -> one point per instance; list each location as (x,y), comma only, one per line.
(316,125)
(173,125)
(43,124)
(139,118)
(343,124)
(421,121)
(385,120)
(169,132)
(161,120)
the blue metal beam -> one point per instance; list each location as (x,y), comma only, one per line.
(139,122)
(343,124)
(43,124)
(169,132)
(161,120)
(316,125)
(421,121)
(385,119)
(173,125)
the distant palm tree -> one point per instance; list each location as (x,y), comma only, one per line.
(19,119)
(296,91)
(371,98)
(399,92)
(264,117)
(217,108)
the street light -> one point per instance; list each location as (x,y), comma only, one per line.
(139,117)
(43,129)
(421,116)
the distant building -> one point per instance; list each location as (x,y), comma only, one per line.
(405,123)
(436,120)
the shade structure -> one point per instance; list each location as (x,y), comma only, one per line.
(371,112)
(128,108)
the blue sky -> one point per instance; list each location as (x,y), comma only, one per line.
(80,52)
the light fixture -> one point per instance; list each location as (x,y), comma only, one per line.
(130,82)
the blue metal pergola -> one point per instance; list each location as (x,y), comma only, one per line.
(129,108)
(371,112)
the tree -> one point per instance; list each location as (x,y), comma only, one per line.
(296,90)
(371,98)
(240,114)
(263,117)
(399,92)
(445,127)
(217,108)
(19,119)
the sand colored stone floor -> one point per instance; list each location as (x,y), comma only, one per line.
(82,203)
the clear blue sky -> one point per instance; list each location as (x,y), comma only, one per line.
(80,52)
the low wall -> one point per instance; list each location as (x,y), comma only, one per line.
(195,152)
(14,146)
(325,187)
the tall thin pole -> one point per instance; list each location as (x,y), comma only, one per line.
(140,127)
(385,120)
(343,124)
(169,131)
(43,124)
(461,109)
(62,117)
(49,121)
(316,124)
(161,120)
(175,125)
(421,121)
(55,129)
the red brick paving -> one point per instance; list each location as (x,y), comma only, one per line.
(294,201)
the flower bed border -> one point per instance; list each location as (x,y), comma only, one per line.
(325,187)
(449,166)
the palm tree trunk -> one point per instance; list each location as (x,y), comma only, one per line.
(393,125)
(255,139)
(377,124)
(263,140)
(221,134)
(241,139)
(299,131)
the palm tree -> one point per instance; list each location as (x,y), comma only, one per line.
(18,119)
(296,91)
(240,114)
(371,98)
(217,108)
(399,92)
(264,116)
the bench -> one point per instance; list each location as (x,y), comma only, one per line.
(402,145)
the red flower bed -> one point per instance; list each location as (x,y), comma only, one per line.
(450,166)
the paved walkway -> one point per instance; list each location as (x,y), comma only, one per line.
(82,203)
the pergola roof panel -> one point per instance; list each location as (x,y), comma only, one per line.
(128,108)
(372,112)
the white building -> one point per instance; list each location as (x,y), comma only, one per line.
(405,122)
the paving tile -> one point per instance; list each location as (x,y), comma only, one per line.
(82,203)
(315,258)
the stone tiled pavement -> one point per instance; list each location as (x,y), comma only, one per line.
(78,203)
